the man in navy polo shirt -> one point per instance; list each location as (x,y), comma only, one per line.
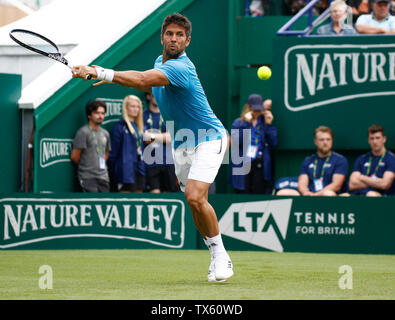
(374,172)
(324,172)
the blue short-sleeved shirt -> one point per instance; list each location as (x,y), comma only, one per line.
(368,165)
(184,102)
(316,168)
(328,30)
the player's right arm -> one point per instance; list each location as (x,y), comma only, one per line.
(140,80)
(303,185)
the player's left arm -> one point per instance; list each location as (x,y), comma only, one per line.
(383,183)
(140,80)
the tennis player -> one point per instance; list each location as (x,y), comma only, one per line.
(199,140)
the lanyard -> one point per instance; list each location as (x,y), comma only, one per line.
(257,130)
(377,165)
(138,137)
(151,122)
(100,154)
(323,167)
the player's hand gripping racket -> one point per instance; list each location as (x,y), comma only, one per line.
(40,44)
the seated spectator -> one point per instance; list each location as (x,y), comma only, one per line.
(125,159)
(379,22)
(91,147)
(257,177)
(359,7)
(374,172)
(292,7)
(337,26)
(323,173)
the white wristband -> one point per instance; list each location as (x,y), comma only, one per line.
(104,74)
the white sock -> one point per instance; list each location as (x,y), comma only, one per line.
(208,246)
(216,245)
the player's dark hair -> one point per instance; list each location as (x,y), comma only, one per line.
(93,106)
(374,128)
(177,19)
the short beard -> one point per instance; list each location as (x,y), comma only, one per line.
(173,55)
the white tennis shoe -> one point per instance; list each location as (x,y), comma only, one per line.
(211,273)
(223,268)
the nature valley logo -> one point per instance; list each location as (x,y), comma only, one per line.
(54,151)
(261,223)
(157,221)
(318,75)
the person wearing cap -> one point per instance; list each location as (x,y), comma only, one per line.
(253,140)
(380,21)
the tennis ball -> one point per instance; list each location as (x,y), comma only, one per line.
(264,73)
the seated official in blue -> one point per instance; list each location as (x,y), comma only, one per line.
(374,172)
(321,170)
(323,173)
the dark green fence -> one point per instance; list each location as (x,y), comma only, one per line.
(281,224)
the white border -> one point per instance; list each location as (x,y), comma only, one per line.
(337,99)
(182,234)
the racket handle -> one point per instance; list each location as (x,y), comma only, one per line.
(88,77)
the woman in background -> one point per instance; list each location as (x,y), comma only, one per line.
(125,160)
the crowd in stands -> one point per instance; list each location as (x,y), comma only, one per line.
(362,16)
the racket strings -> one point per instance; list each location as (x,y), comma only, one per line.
(35,42)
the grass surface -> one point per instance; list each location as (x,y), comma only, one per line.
(182,275)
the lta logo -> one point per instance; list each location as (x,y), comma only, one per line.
(261,223)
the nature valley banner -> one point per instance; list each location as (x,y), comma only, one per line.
(346,83)
(128,222)
(247,222)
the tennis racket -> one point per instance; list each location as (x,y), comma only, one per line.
(37,43)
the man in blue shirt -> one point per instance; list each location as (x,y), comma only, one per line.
(374,172)
(199,138)
(323,173)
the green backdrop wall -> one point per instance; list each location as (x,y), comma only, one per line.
(10,123)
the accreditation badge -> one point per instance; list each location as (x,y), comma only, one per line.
(252,151)
(318,185)
(102,163)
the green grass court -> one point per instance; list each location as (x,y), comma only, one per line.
(181,275)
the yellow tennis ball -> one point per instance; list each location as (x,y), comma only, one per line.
(264,73)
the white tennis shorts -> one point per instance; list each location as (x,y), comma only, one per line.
(200,163)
